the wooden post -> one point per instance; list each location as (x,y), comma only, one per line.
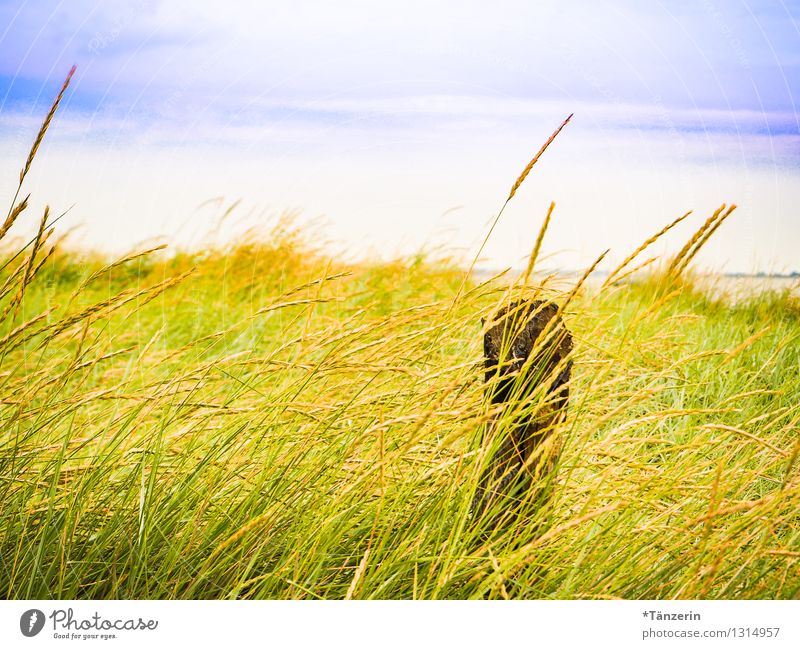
(526,347)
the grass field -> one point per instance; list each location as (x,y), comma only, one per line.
(265,422)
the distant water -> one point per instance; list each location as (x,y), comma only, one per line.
(738,287)
(730,287)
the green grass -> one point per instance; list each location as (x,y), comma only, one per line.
(258,431)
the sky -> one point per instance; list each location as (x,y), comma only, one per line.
(388,129)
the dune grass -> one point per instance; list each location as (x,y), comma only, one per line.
(263,421)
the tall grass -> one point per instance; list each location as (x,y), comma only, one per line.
(262,421)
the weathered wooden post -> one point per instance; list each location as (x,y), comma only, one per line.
(526,347)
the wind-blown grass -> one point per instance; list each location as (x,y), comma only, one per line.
(256,430)
(265,422)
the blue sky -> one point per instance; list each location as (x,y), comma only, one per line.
(403,124)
